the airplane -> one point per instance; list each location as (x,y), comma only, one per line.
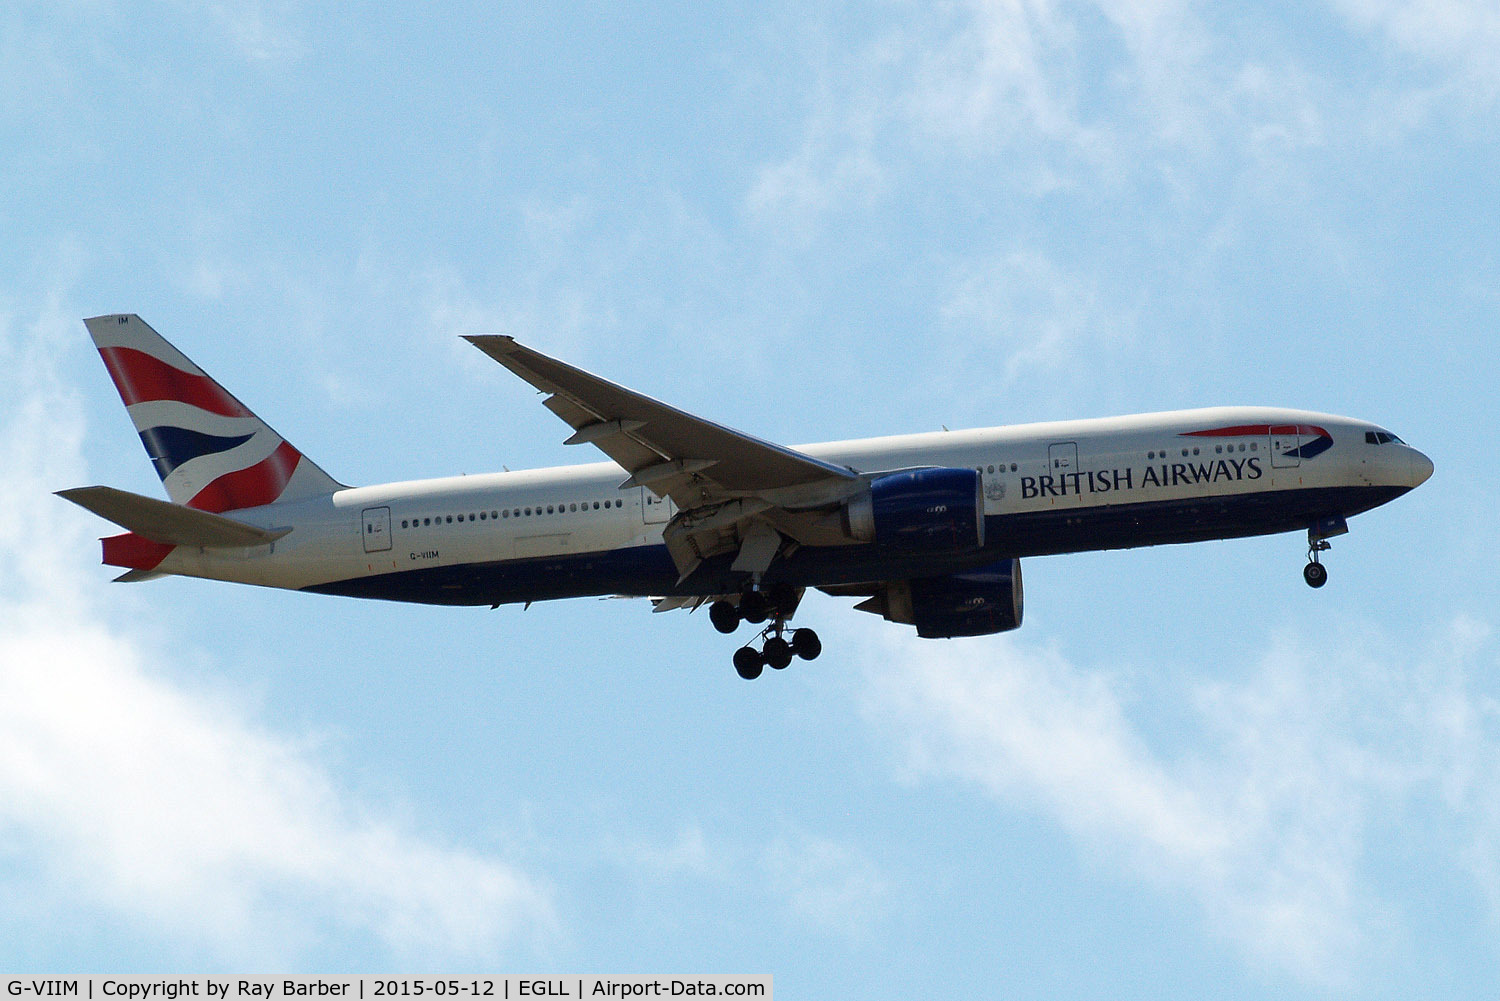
(928,530)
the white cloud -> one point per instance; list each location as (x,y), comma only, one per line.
(1114,85)
(169,807)
(1024,306)
(685,854)
(259,29)
(818,884)
(554,294)
(964,80)
(828,885)
(835,165)
(1047,95)
(123,791)
(996,73)
(818,180)
(1461,36)
(1264,812)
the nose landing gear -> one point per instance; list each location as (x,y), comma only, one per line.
(1315,573)
(777,650)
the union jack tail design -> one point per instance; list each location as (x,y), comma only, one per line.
(210,451)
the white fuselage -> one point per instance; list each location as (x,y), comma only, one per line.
(1056,487)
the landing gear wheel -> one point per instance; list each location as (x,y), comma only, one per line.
(782,597)
(724,616)
(1315,573)
(778,652)
(754,608)
(748,663)
(805,644)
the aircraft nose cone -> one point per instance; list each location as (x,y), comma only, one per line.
(1421,468)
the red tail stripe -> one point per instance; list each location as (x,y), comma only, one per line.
(253,486)
(141,377)
(134,552)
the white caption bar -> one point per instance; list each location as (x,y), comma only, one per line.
(466,988)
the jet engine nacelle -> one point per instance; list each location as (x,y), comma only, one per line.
(921,510)
(969,604)
(977,603)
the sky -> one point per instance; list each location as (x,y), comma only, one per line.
(1186,774)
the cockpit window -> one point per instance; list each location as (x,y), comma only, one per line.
(1382,438)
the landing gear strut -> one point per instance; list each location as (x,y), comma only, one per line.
(777,650)
(1315,573)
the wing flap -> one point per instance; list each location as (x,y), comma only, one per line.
(599,430)
(620,446)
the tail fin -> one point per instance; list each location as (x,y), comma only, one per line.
(210,451)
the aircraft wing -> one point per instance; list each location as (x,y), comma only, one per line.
(735,492)
(676,454)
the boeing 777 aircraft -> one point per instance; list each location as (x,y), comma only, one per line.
(928,529)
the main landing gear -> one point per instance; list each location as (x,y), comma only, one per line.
(777,651)
(757,606)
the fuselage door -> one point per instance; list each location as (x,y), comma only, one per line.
(1062,458)
(653,508)
(377,529)
(1285,443)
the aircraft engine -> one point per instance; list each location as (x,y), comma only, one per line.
(921,510)
(977,603)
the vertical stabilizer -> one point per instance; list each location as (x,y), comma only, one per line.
(210,451)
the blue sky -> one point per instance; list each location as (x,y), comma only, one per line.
(1187,773)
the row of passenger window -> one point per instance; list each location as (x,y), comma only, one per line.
(1218,450)
(517,512)
(1151,455)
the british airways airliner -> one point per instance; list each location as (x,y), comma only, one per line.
(927,529)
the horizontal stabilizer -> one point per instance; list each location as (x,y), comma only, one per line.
(168,523)
(135,576)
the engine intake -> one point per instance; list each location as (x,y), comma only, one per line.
(921,510)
